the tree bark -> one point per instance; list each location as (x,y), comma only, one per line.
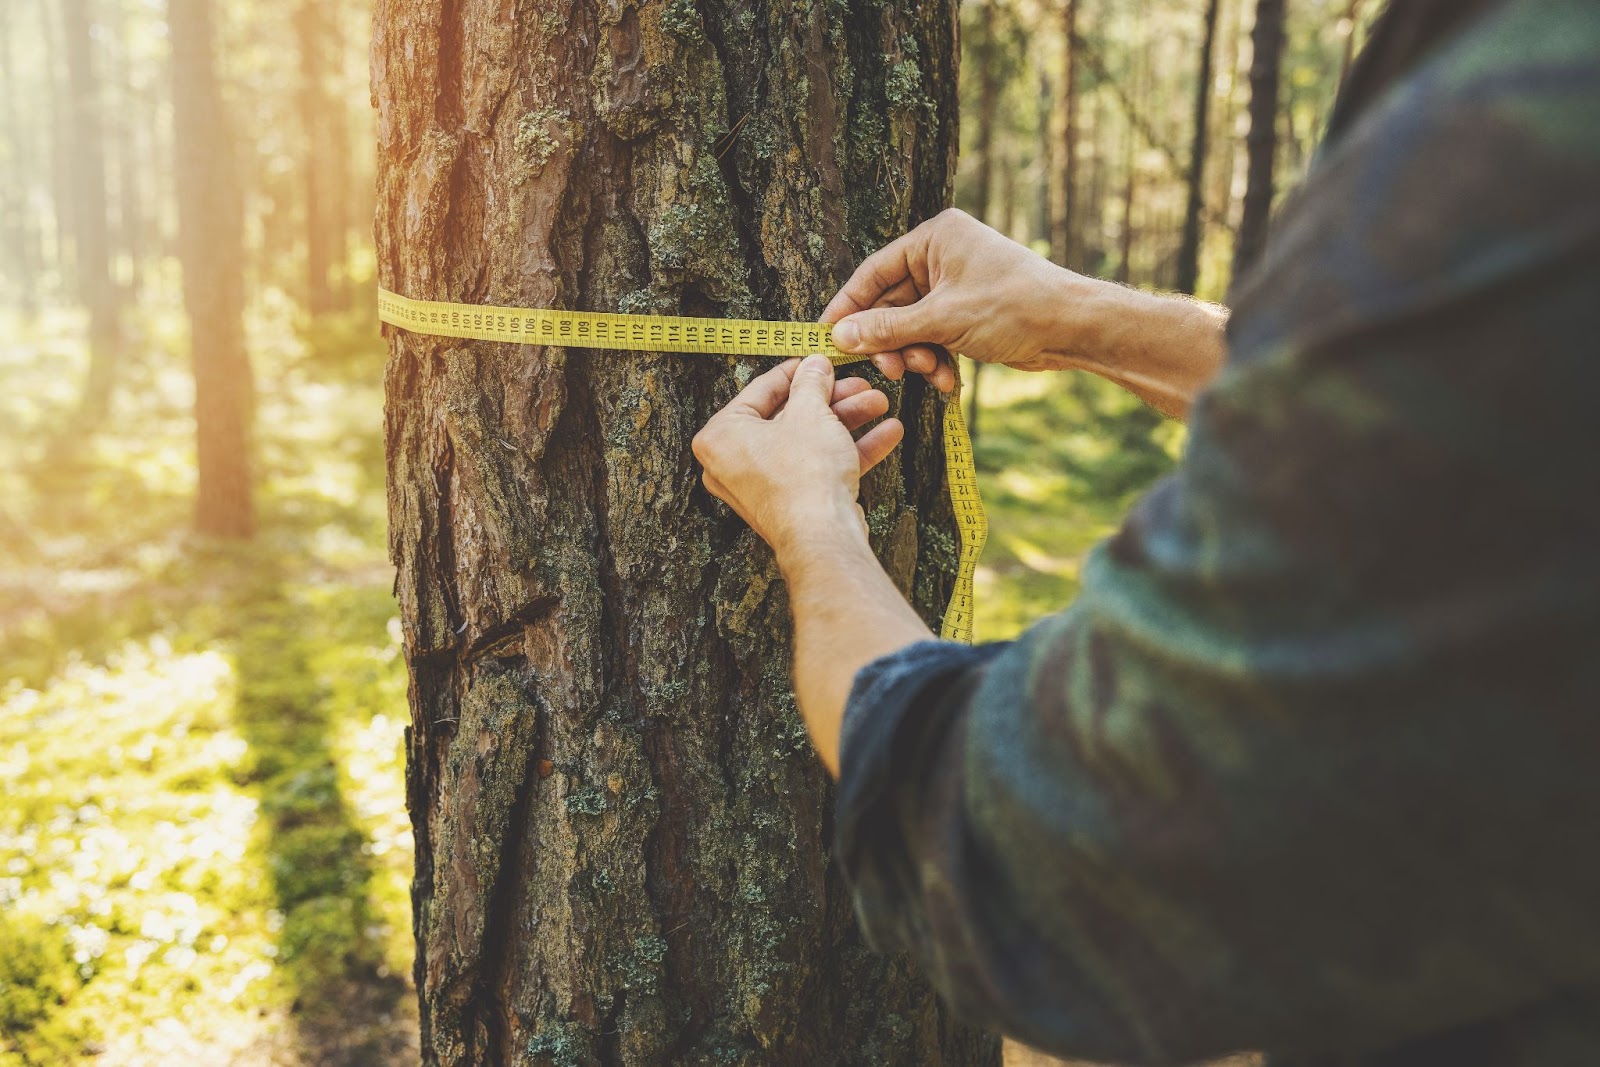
(1266,64)
(1187,277)
(621,833)
(211,251)
(91,230)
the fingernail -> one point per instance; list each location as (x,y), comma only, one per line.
(847,336)
(816,361)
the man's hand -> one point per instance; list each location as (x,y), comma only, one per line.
(955,284)
(782,455)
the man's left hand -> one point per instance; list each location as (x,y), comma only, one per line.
(782,452)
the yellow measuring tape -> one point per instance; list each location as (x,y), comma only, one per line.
(734,337)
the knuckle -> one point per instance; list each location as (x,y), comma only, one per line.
(702,445)
(880,329)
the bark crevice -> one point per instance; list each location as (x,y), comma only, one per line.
(490,1002)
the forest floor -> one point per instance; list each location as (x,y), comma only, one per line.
(204,851)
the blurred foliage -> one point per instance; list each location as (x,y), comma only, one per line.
(204,851)
(1060,459)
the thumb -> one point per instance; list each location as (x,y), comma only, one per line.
(813,381)
(888,329)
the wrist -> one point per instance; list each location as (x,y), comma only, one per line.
(1092,318)
(1164,348)
(820,533)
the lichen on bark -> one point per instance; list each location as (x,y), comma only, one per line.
(622,835)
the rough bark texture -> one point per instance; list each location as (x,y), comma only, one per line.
(1188,267)
(1265,77)
(621,833)
(211,250)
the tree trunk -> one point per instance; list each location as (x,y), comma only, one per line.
(1125,234)
(59,144)
(990,82)
(1265,77)
(21,256)
(91,231)
(1043,225)
(1089,226)
(131,160)
(1187,278)
(211,251)
(320,168)
(987,53)
(1065,243)
(1226,110)
(621,833)
(1006,209)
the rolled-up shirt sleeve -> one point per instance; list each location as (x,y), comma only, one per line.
(1309,764)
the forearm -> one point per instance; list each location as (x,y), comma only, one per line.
(847,613)
(1163,348)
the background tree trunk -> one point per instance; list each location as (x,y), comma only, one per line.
(62,227)
(322,170)
(621,833)
(132,163)
(91,231)
(1065,245)
(989,74)
(1265,77)
(21,255)
(1043,225)
(1187,278)
(990,81)
(210,248)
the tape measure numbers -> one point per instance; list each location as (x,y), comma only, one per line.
(735,337)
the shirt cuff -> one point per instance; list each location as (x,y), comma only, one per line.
(899,706)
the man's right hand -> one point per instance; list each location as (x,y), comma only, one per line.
(956,284)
